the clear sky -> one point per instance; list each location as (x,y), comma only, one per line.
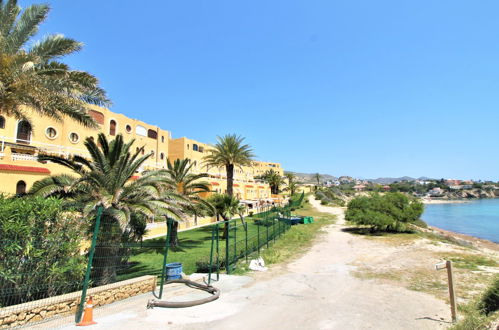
(362,88)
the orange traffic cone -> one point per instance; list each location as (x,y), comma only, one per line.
(88,317)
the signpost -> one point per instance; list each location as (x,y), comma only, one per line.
(448,265)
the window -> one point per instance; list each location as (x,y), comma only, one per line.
(201,149)
(112,128)
(97,116)
(141,130)
(20,188)
(74,137)
(152,134)
(162,139)
(195,147)
(51,133)
(162,156)
(187,146)
(2,122)
(23,132)
(128,129)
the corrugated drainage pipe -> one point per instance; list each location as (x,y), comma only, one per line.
(180,304)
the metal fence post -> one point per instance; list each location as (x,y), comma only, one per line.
(218,251)
(227,268)
(167,245)
(211,254)
(258,239)
(267,226)
(235,242)
(79,312)
(246,240)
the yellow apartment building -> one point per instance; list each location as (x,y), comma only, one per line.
(21,142)
(246,187)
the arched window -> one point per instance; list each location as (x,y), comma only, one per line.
(195,147)
(20,188)
(162,139)
(141,130)
(112,128)
(152,134)
(162,156)
(97,116)
(23,132)
(2,122)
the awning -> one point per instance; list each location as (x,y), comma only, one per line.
(18,168)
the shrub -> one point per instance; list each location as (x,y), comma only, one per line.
(489,302)
(203,265)
(40,250)
(389,212)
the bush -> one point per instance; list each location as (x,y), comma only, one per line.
(40,250)
(489,302)
(203,265)
(389,212)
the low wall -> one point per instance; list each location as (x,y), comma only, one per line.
(39,310)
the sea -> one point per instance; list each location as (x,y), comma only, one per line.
(479,218)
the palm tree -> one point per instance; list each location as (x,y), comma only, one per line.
(187,185)
(317,177)
(229,152)
(227,207)
(292,185)
(33,78)
(274,180)
(105,181)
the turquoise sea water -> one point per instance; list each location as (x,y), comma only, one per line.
(479,218)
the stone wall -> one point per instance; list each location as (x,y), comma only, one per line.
(40,310)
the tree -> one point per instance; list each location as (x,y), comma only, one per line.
(317,177)
(389,212)
(187,185)
(227,207)
(106,181)
(33,78)
(274,180)
(229,152)
(292,185)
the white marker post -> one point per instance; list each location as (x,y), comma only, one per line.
(448,265)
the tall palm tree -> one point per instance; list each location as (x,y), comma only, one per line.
(190,187)
(33,78)
(105,180)
(292,185)
(229,152)
(317,177)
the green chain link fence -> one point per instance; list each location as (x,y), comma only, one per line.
(115,254)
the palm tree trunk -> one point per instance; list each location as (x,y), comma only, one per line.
(230,179)
(174,235)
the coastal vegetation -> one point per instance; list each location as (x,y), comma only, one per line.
(32,75)
(275,181)
(389,212)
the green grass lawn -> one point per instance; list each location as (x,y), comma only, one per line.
(195,245)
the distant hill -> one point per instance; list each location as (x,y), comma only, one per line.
(309,177)
(392,180)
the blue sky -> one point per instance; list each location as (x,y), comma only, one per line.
(362,88)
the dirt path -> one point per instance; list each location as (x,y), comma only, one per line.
(317,291)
